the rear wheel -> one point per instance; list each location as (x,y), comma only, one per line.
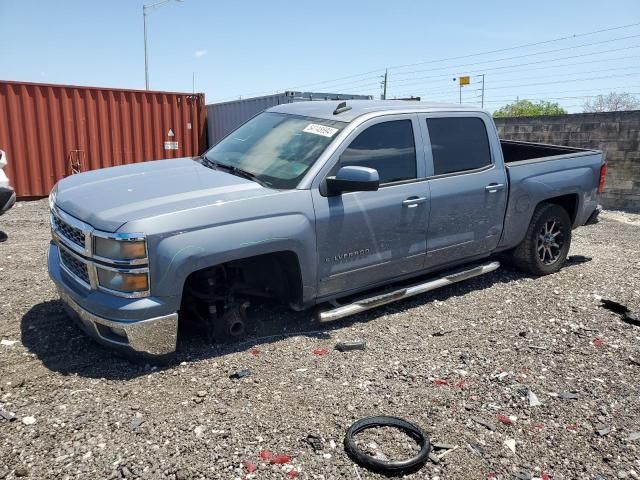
(547,241)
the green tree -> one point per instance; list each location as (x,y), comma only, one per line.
(526,108)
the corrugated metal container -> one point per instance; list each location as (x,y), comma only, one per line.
(223,118)
(51,131)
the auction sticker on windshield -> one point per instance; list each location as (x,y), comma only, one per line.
(320,130)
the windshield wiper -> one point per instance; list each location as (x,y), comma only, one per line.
(233,170)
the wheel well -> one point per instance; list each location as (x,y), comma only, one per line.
(269,276)
(568,202)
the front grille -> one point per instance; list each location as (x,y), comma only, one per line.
(75,266)
(73,234)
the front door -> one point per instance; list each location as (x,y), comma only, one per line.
(365,237)
(468,188)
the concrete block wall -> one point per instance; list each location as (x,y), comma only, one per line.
(617,134)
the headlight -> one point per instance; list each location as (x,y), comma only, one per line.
(123,281)
(52,196)
(120,249)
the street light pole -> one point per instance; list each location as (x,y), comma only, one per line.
(146,55)
(145,9)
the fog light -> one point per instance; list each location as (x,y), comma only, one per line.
(118,332)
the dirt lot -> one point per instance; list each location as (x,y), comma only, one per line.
(450,361)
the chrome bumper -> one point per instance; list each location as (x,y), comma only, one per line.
(153,336)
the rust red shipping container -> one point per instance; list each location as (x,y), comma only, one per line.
(52,131)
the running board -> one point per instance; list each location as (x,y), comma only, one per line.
(383,299)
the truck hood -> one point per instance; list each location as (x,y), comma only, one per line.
(108,198)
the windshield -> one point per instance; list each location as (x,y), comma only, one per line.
(273,148)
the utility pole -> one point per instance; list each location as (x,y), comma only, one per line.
(482,101)
(193,81)
(146,9)
(384,85)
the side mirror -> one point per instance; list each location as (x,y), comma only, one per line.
(353,179)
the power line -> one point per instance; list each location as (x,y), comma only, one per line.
(404,81)
(518,46)
(408,80)
(450,92)
(509,67)
(379,70)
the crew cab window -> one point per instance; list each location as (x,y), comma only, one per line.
(458,144)
(389,147)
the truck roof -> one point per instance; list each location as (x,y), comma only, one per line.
(324,109)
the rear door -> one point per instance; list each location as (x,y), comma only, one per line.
(468,186)
(366,237)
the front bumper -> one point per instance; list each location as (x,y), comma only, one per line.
(137,330)
(7,199)
(154,336)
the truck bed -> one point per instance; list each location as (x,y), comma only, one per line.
(514,151)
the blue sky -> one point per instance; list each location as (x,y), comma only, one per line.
(248,47)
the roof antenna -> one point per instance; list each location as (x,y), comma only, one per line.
(342,107)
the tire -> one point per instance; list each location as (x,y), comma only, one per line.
(546,243)
(392,467)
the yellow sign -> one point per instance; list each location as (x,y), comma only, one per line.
(464,80)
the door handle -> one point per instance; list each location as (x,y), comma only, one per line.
(494,187)
(412,202)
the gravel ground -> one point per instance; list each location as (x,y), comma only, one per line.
(459,362)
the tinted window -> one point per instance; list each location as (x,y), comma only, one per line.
(388,147)
(458,144)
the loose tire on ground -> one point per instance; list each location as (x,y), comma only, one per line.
(546,243)
(392,467)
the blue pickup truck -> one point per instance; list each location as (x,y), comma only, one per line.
(310,204)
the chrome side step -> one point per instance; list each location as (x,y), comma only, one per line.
(382,299)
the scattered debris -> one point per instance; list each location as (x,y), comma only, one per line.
(447,452)
(255,352)
(504,419)
(510,444)
(633,436)
(441,333)
(280,459)
(293,473)
(578,259)
(568,396)
(28,420)
(319,352)
(240,374)
(443,446)
(199,431)
(8,343)
(7,415)
(250,467)
(440,382)
(315,441)
(477,448)
(136,422)
(351,345)
(533,399)
(485,423)
(602,429)
(598,342)
(522,475)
